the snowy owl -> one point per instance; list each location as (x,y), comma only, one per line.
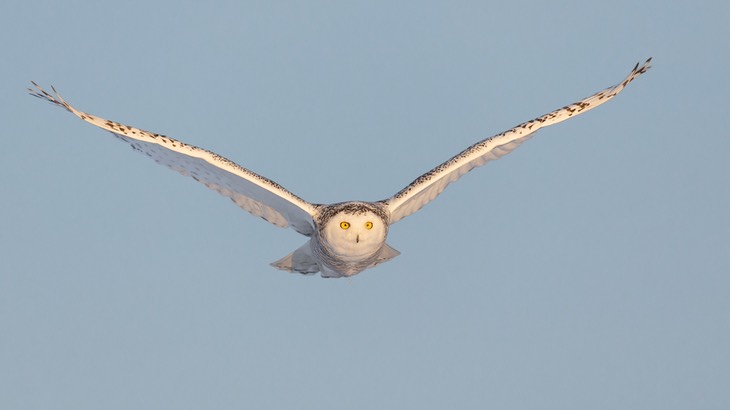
(344,238)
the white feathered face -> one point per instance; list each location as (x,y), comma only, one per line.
(355,235)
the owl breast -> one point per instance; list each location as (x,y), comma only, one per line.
(349,237)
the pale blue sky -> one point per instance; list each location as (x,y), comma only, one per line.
(588,269)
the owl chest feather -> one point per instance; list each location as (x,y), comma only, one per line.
(345,263)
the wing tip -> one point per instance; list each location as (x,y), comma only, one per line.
(638,70)
(644,67)
(641,68)
(55,99)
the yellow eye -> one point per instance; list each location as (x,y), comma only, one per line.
(368,225)
(344,225)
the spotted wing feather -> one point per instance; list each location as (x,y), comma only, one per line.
(429,185)
(250,191)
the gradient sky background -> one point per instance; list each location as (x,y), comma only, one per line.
(588,269)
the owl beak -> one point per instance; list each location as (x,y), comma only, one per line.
(357,239)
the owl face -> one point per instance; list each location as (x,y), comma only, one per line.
(353,236)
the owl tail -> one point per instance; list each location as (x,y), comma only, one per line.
(386,254)
(301,261)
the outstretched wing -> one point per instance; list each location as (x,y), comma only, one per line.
(429,185)
(250,191)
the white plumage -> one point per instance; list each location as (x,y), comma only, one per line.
(345,238)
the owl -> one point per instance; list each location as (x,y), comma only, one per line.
(344,238)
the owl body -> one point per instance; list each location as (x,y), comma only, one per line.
(348,238)
(344,238)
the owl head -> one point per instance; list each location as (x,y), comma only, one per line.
(353,229)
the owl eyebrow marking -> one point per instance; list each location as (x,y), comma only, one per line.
(353,207)
(330,256)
